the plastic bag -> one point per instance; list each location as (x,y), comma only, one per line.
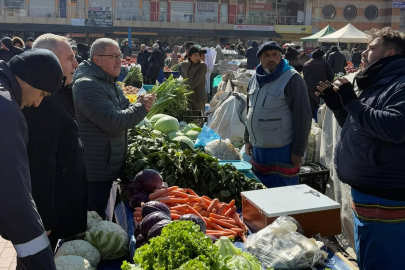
(207,135)
(222,149)
(217,80)
(313,152)
(279,245)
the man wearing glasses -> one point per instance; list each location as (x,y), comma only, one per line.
(104,115)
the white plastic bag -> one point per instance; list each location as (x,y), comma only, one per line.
(222,149)
(279,245)
(313,152)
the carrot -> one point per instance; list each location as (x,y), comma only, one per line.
(237,230)
(230,221)
(218,216)
(170,205)
(243,237)
(182,207)
(242,225)
(214,225)
(213,204)
(222,233)
(193,198)
(206,201)
(204,213)
(222,223)
(174,216)
(203,205)
(191,192)
(181,213)
(182,190)
(230,205)
(214,211)
(171,200)
(193,211)
(138,209)
(137,214)
(159,193)
(212,231)
(221,209)
(230,211)
(232,232)
(208,198)
(177,193)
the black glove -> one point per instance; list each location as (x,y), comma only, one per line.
(346,93)
(331,98)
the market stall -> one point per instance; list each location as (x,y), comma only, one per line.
(324,32)
(347,34)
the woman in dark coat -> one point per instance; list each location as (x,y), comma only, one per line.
(7,50)
(156,63)
(315,71)
(57,170)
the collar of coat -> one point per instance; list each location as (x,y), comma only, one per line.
(101,74)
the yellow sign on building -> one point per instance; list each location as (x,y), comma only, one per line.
(293,29)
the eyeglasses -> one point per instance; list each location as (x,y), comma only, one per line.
(113,56)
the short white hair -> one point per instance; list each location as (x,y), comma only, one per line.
(155,46)
(143,45)
(49,42)
(100,45)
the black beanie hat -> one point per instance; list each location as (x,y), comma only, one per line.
(7,42)
(30,39)
(192,51)
(39,68)
(270,45)
(189,44)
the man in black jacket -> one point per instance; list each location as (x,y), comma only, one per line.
(104,115)
(142,59)
(58,177)
(252,60)
(370,152)
(337,61)
(356,58)
(24,82)
(28,44)
(8,50)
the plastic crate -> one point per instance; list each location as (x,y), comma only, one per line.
(314,175)
(196,117)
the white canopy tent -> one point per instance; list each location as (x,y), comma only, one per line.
(348,34)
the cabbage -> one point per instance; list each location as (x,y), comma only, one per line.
(144,123)
(175,134)
(148,180)
(184,140)
(188,127)
(109,238)
(155,118)
(192,134)
(167,124)
(157,133)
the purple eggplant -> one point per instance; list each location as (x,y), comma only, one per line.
(196,220)
(150,220)
(154,206)
(156,230)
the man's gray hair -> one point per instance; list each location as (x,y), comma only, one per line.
(155,46)
(49,42)
(143,45)
(100,45)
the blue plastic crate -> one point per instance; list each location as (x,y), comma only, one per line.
(147,87)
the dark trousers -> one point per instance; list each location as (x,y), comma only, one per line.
(151,81)
(99,192)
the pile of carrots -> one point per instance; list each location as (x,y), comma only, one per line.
(220,218)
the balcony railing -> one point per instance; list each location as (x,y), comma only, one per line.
(153,17)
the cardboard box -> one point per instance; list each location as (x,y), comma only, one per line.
(314,211)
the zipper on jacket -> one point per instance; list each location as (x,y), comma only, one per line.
(270,120)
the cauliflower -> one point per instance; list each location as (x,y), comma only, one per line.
(109,238)
(80,248)
(71,262)
(92,218)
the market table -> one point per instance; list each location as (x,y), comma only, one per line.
(124,217)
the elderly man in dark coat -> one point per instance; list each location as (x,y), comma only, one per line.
(55,151)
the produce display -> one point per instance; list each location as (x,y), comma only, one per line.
(182,167)
(134,78)
(175,68)
(215,218)
(80,248)
(128,61)
(171,97)
(71,262)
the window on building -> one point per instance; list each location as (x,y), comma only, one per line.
(328,12)
(350,12)
(371,12)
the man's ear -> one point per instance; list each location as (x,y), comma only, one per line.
(390,52)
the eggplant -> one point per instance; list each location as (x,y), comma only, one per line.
(150,220)
(148,180)
(139,198)
(197,220)
(140,240)
(154,206)
(157,228)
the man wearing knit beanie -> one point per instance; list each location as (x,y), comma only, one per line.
(24,81)
(28,44)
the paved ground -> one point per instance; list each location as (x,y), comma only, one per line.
(7,255)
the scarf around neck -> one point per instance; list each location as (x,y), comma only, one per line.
(263,78)
(368,76)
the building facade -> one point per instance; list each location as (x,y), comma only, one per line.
(207,22)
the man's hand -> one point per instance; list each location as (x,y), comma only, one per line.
(330,97)
(48,232)
(249,149)
(296,160)
(146,100)
(338,83)
(322,87)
